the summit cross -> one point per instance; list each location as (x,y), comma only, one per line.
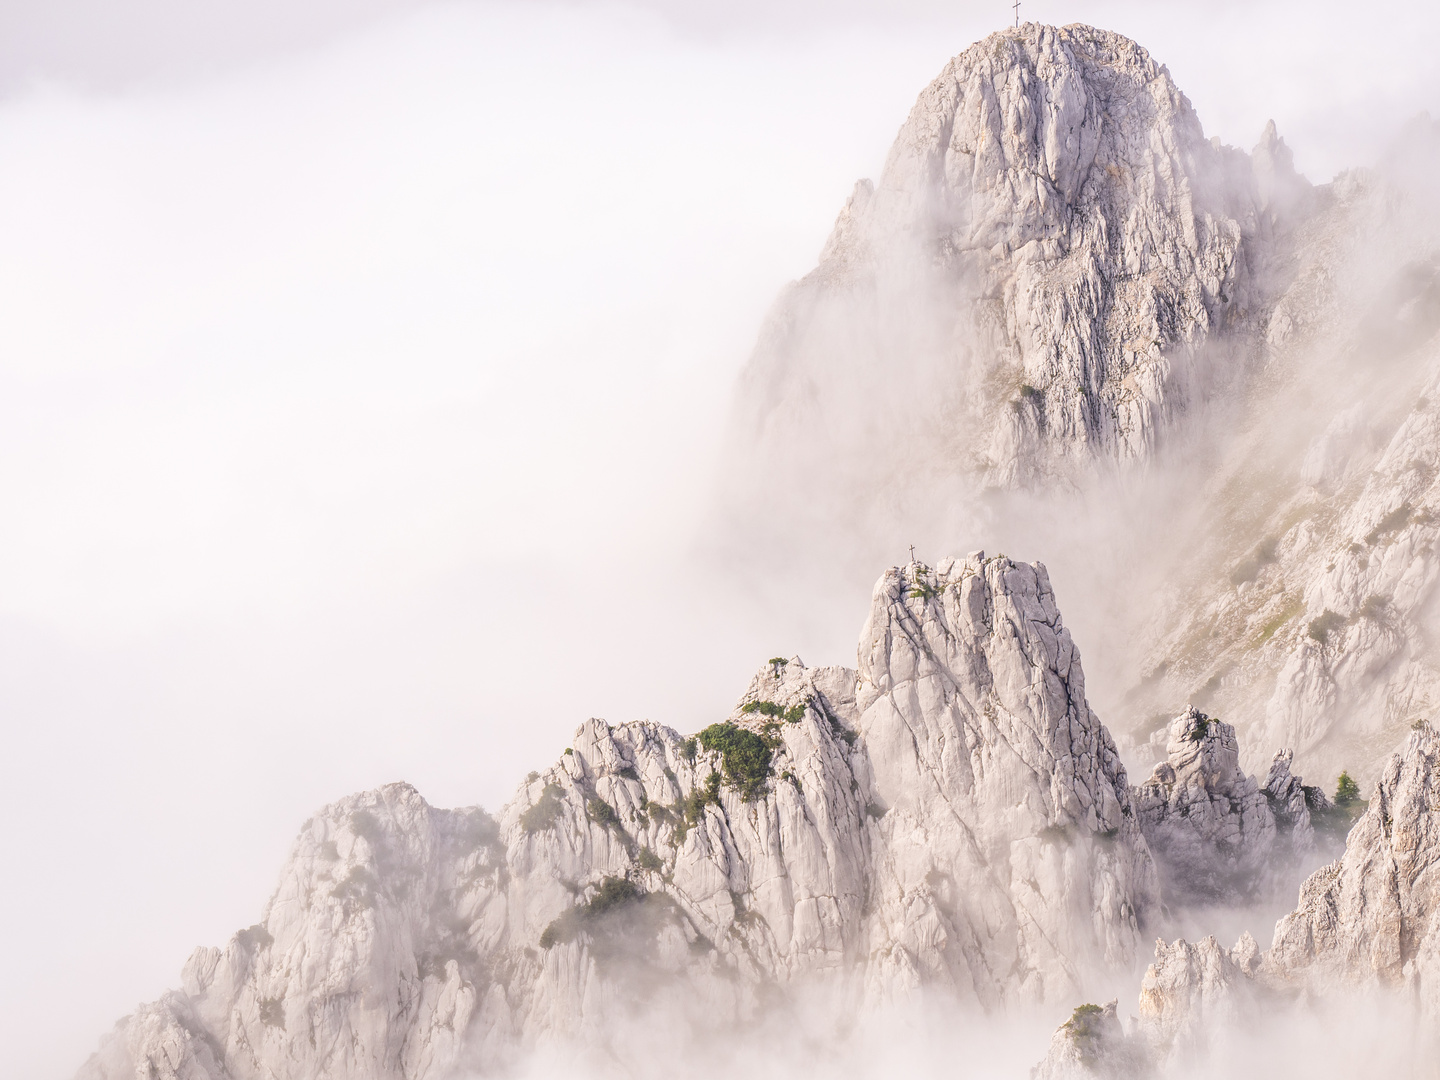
(1016,6)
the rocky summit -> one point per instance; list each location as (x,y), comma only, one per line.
(1053,249)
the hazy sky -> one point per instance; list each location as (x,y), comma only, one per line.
(361,366)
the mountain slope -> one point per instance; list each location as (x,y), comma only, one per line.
(1306,609)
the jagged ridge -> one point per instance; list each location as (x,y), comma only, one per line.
(950,816)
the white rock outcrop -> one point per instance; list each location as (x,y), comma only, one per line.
(950,817)
(1371,920)
(1208,824)
(1293,804)
(1092,1045)
(1053,268)
(1191,992)
(1007,803)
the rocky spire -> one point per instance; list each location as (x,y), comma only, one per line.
(1005,792)
(1208,824)
(1372,919)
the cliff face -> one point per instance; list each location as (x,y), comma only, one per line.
(951,818)
(1372,919)
(1008,804)
(1054,255)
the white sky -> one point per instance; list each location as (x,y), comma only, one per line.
(360,372)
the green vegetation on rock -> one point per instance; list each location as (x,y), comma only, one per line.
(1085,1032)
(253,938)
(744,757)
(1248,569)
(358,887)
(478,829)
(1322,627)
(1392,522)
(1200,729)
(613,894)
(365,824)
(792,715)
(694,806)
(602,813)
(921,589)
(1292,608)
(545,811)
(272,1012)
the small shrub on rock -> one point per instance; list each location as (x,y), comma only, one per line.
(545,811)
(744,757)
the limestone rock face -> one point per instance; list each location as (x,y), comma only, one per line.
(1209,825)
(1193,990)
(1372,919)
(952,816)
(1007,803)
(1306,603)
(1291,802)
(354,950)
(1054,254)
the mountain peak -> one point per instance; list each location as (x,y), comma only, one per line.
(1050,254)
